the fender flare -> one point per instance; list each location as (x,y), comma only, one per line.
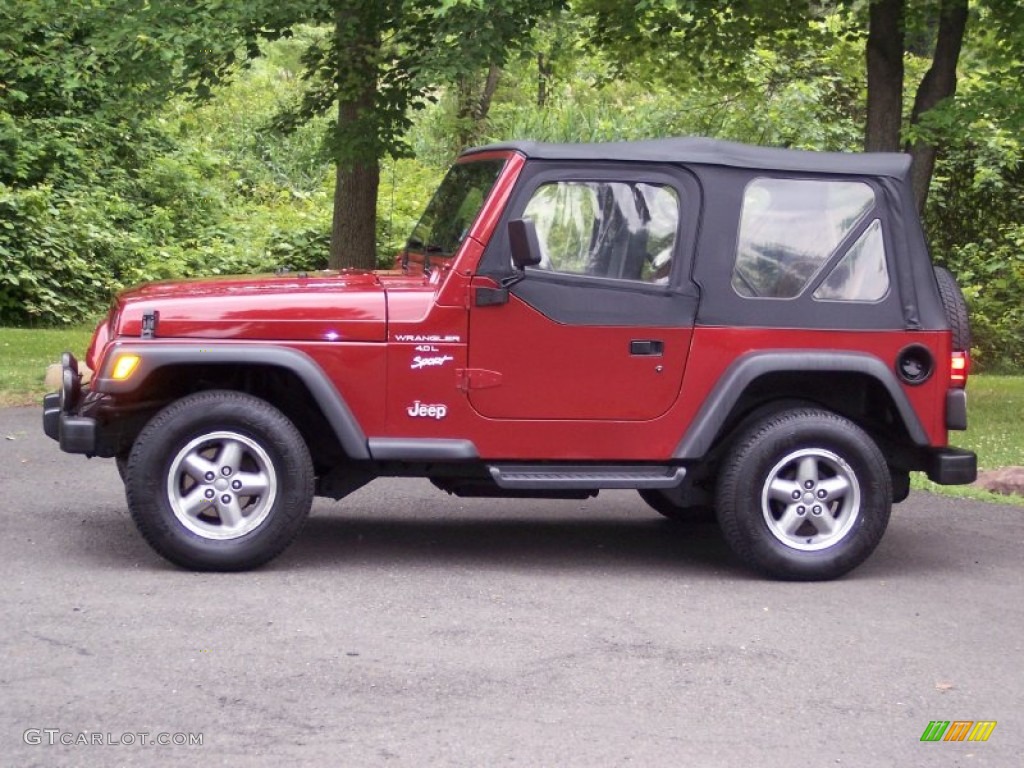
(708,422)
(154,356)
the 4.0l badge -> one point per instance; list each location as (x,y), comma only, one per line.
(422,410)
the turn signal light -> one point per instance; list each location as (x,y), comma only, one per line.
(959,367)
(124,367)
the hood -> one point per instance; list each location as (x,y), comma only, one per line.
(318,306)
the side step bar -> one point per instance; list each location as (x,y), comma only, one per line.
(584,476)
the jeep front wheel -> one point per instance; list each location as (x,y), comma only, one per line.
(805,495)
(219,481)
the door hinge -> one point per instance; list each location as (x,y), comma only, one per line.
(476,378)
(490,297)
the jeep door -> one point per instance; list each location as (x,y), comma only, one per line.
(600,329)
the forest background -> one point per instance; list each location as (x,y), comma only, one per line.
(150,140)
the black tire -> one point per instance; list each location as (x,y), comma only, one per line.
(834,532)
(663,505)
(955,305)
(225,444)
(900,484)
(122,466)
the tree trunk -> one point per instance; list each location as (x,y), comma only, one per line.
(354,224)
(490,86)
(354,145)
(544,72)
(939,83)
(885,76)
(474,104)
(465,95)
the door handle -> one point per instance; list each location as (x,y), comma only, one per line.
(652,347)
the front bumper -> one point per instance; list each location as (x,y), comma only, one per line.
(76,434)
(62,420)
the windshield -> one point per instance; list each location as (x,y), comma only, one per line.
(454,207)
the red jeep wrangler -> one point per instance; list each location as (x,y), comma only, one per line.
(757,331)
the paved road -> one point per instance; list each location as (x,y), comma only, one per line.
(406,628)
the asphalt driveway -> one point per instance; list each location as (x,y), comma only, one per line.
(409,628)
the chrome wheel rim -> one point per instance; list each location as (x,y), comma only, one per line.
(221,485)
(811,499)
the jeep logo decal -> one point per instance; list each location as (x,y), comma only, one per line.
(422,410)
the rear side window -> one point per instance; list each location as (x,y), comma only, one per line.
(791,228)
(610,229)
(861,275)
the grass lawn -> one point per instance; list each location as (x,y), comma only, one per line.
(995,418)
(25,353)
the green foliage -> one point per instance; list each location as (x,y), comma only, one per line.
(799,90)
(157,140)
(993,273)
(52,89)
(682,41)
(62,255)
(406,188)
(975,215)
(205,188)
(389,58)
(71,135)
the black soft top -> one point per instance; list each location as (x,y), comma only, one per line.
(715,152)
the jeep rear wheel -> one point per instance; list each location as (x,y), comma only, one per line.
(219,481)
(805,495)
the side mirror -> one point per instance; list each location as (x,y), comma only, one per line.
(522,237)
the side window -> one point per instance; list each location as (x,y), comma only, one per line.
(789,228)
(861,275)
(606,228)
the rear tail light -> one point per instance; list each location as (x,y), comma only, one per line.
(959,368)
